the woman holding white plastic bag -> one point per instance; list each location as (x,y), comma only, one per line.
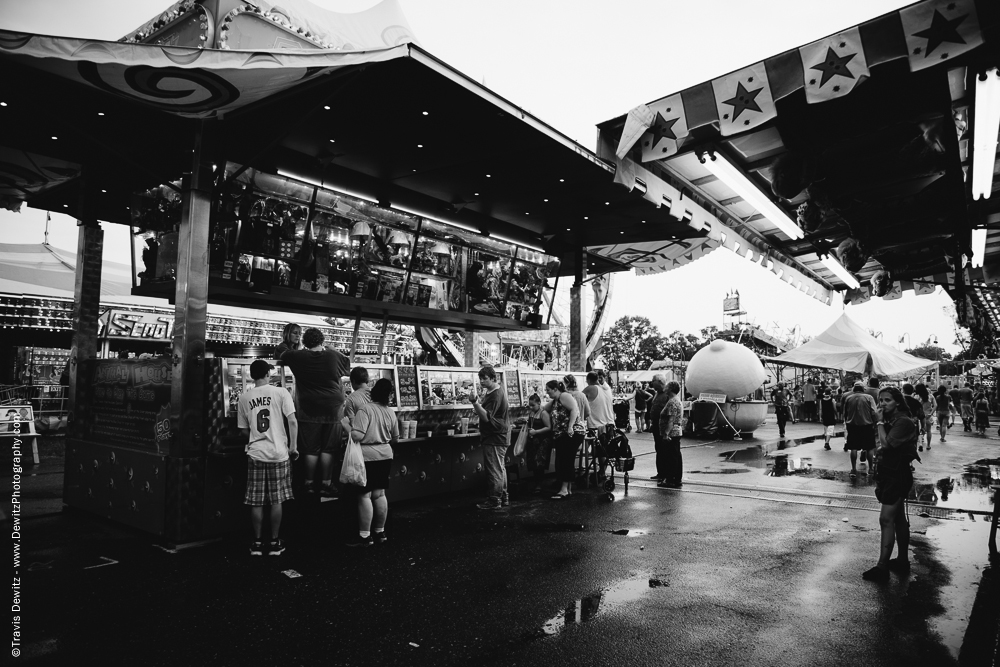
(375,428)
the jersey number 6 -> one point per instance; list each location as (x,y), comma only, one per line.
(263,421)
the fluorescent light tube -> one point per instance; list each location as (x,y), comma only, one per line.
(984,151)
(325,186)
(750,193)
(839,270)
(978,247)
(513,242)
(443,222)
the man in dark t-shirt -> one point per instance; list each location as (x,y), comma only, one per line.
(319,405)
(494,429)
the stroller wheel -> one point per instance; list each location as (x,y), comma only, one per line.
(610,497)
(609,485)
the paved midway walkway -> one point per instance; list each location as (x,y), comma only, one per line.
(707,575)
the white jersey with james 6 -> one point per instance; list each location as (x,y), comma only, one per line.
(261,409)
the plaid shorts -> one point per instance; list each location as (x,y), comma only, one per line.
(268,482)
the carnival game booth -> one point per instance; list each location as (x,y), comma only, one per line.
(343,179)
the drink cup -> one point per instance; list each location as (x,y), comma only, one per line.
(465,424)
(451,431)
(413,429)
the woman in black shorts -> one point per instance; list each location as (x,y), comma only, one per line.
(375,428)
(897,446)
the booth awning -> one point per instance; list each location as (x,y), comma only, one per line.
(848,347)
(392,124)
(856,149)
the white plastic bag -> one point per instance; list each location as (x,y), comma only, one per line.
(522,441)
(353,470)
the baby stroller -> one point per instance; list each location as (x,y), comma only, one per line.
(618,458)
(623,420)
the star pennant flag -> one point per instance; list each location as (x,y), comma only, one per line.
(862,295)
(637,121)
(743,100)
(923,288)
(939,30)
(832,67)
(895,292)
(667,128)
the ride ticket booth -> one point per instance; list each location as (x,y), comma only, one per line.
(335,182)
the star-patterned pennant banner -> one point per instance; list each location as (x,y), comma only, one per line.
(895,292)
(743,100)
(859,296)
(637,121)
(668,127)
(923,288)
(939,30)
(833,66)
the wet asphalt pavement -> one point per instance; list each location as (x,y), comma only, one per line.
(701,577)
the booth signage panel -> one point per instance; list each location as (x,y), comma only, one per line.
(131,404)
(123,324)
(715,398)
(513,387)
(409,388)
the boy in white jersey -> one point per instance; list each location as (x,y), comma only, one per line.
(262,411)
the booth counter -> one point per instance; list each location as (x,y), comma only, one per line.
(119,466)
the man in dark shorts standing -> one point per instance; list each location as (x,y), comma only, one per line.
(494,427)
(860,418)
(809,400)
(319,405)
(780,399)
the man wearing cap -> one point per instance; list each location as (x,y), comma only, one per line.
(319,404)
(859,418)
(262,411)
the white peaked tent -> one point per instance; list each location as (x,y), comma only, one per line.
(848,347)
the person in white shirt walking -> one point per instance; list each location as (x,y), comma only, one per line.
(262,411)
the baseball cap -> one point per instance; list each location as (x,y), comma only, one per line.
(859,383)
(259,369)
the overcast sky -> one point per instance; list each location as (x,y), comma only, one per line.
(575,64)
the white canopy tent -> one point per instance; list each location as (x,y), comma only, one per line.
(848,347)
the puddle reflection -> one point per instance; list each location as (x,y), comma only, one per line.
(606,600)
(969,491)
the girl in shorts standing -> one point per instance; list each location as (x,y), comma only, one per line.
(897,446)
(539,438)
(376,429)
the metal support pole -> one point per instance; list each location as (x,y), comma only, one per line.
(354,338)
(187,399)
(577,318)
(86,308)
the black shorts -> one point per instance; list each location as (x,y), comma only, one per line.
(890,486)
(861,436)
(317,438)
(378,474)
